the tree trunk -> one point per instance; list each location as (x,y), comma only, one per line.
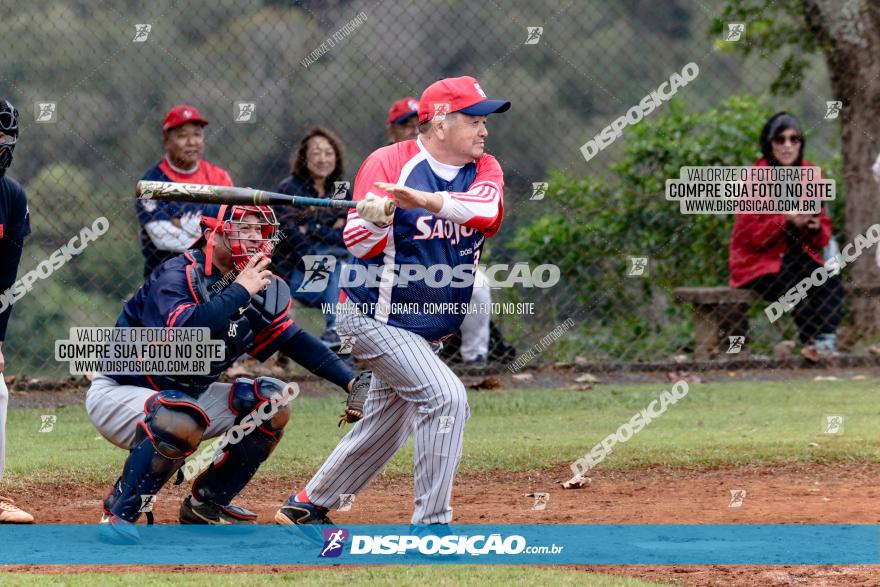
(848,32)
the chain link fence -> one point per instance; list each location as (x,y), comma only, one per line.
(93,81)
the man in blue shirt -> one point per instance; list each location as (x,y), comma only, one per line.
(221,283)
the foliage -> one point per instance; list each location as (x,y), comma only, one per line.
(771,27)
(627,216)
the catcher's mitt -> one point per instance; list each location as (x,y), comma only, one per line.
(354,404)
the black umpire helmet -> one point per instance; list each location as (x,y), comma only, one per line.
(9,128)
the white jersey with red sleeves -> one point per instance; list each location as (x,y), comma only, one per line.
(473,207)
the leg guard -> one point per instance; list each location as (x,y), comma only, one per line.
(171,431)
(262,409)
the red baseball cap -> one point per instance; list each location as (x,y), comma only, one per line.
(180,115)
(402,110)
(457,94)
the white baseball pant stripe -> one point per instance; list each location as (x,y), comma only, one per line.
(412,390)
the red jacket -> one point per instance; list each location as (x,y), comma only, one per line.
(758,243)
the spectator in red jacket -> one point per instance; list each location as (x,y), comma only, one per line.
(770,253)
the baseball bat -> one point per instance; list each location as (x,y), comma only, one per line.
(214,194)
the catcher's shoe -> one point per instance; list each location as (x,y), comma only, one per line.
(211,513)
(12,514)
(299,510)
(115,530)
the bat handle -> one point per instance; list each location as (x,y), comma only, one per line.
(390,206)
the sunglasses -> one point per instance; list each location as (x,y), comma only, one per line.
(795,140)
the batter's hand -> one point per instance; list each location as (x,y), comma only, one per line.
(2,360)
(372,208)
(408,198)
(255,277)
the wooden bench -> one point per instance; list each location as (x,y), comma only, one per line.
(719,312)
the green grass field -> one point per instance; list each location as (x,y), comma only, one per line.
(716,424)
(448,576)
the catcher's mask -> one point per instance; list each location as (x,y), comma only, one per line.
(232,225)
(9,130)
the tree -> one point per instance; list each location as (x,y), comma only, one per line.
(848,34)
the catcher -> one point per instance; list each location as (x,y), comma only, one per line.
(161,419)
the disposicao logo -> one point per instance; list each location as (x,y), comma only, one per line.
(334,541)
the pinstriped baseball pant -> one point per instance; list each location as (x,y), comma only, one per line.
(412,390)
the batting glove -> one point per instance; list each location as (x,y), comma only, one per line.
(372,208)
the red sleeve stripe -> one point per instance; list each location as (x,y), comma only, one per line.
(351,241)
(488,183)
(484,191)
(190,267)
(483,199)
(277,331)
(279,319)
(355,230)
(356,234)
(176,313)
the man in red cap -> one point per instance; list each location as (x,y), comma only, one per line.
(403,120)
(478,335)
(449,199)
(169,228)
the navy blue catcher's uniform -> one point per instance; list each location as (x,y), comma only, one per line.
(15,225)
(162,418)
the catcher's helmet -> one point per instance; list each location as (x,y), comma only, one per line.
(9,132)
(230,221)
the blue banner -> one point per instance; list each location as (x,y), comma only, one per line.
(758,544)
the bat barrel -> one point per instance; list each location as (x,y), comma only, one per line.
(210,194)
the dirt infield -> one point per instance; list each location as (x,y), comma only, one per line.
(790,493)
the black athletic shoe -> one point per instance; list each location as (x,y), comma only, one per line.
(211,513)
(301,512)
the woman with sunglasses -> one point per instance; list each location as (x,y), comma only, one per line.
(771,253)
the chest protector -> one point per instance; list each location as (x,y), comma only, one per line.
(238,332)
